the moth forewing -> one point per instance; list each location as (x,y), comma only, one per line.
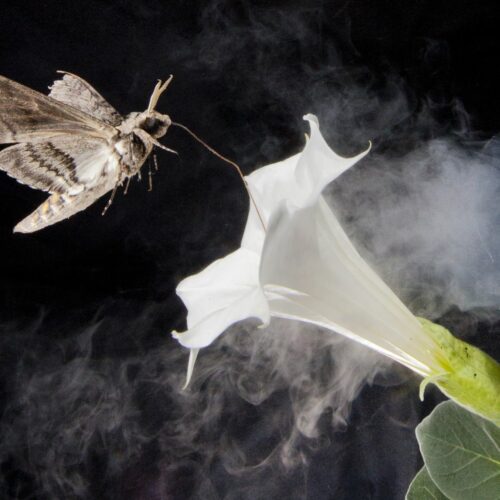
(72,144)
(28,116)
(76,92)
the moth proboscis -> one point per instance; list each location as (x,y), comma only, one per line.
(73,144)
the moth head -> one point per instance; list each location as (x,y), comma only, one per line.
(154,123)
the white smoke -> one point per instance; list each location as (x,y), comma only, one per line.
(427,221)
(270,413)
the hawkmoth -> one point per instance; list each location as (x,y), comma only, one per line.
(73,144)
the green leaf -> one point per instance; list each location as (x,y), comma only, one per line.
(423,488)
(461,452)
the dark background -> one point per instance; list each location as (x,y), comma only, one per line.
(89,405)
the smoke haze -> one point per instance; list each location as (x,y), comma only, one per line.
(92,405)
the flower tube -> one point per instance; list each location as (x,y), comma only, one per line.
(296,262)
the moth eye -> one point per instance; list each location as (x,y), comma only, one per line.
(150,125)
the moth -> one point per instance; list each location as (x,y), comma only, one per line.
(73,144)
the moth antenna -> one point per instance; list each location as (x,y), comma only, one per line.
(157,92)
(227,160)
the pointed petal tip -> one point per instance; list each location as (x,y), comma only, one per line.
(193,354)
(311,118)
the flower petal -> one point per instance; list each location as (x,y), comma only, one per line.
(311,272)
(317,167)
(270,186)
(224,293)
(296,181)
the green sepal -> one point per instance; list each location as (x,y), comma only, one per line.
(469,377)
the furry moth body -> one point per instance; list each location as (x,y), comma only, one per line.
(72,144)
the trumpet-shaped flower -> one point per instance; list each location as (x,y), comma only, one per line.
(296,262)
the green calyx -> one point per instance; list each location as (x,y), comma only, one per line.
(469,376)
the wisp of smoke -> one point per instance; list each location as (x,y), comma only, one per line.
(286,411)
(79,425)
(427,222)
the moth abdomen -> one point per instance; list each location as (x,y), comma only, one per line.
(62,206)
(45,213)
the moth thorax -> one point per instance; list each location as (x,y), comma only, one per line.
(132,152)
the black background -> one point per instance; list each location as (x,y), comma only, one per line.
(244,74)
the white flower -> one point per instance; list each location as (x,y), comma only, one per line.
(296,262)
(302,266)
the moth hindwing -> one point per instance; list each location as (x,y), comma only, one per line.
(72,144)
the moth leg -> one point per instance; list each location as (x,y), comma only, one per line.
(155,159)
(125,191)
(111,198)
(110,201)
(150,177)
(113,193)
(146,138)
